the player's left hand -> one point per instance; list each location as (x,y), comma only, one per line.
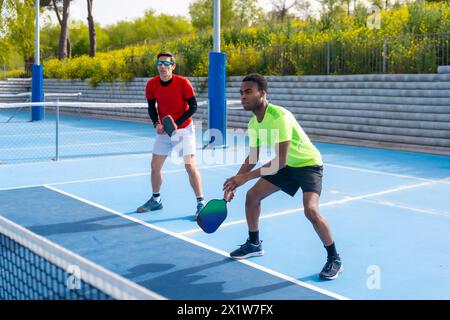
(234,182)
(160,129)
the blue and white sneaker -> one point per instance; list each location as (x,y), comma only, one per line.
(247,250)
(150,205)
(332,268)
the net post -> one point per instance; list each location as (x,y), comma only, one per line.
(217,98)
(37,94)
(57,131)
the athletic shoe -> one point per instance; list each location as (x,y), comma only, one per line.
(332,268)
(150,205)
(247,250)
(200,206)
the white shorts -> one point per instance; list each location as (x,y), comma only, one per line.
(182,143)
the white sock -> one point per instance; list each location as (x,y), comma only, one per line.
(201,200)
(157,198)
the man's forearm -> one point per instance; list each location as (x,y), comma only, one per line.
(192,102)
(246,166)
(268,169)
(152,112)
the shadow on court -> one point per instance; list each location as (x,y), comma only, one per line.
(190,279)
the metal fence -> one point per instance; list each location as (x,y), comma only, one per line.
(402,54)
(421,53)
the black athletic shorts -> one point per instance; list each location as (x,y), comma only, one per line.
(290,179)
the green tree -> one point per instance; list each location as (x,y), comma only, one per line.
(331,12)
(62,10)
(18,21)
(92,33)
(4,43)
(150,28)
(281,9)
(330,6)
(378,3)
(247,13)
(202,13)
(63,49)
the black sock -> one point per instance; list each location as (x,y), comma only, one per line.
(199,199)
(156,195)
(254,237)
(331,250)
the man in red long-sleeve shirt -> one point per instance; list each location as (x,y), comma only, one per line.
(175,97)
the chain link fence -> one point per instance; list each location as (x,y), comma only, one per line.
(421,53)
(402,54)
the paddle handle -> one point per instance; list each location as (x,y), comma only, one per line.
(227,196)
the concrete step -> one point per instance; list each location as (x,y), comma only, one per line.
(432,85)
(360,99)
(435,117)
(436,93)
(356,78)
(364,106)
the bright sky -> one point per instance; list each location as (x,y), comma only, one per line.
(110,11)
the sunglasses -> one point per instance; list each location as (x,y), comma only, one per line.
(166,63)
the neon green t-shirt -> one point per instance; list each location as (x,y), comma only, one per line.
(280,125)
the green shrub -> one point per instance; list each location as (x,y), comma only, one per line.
(13,74)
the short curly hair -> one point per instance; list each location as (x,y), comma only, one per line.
(258,79)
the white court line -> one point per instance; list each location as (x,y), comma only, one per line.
(376,172)
(115,177)
(203,245)
(444,181)
(330,203)
(419,210)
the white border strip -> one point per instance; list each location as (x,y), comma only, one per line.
(203,245)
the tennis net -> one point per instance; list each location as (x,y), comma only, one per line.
(80,129)
(34,268)
(73,129)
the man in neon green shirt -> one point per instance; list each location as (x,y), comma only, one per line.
(297,164)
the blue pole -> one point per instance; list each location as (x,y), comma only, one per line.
(37,94)
(37,78)
(217,99)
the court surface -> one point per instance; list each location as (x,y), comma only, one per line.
(389,212)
